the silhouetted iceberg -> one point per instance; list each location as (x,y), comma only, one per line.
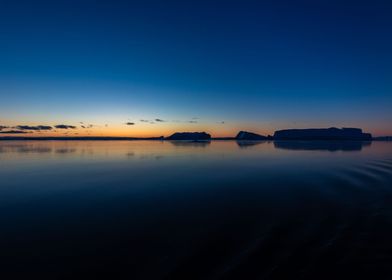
(193,136)
(332,133)
(245,135)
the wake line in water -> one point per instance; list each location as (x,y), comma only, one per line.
(344,229)
(366,176)
(342,237)
(384,163)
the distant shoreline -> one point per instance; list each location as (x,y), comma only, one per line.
(310,134)
(105,138)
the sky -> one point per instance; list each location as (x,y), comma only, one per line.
(150,68)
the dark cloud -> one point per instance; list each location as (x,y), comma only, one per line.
(12,132)
(82,126)
(64,126)
(144,120)
(192,121)
(222,122)
(3,127)
(159,120)
(38,127)
(130,123)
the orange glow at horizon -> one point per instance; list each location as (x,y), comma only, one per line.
(116,128)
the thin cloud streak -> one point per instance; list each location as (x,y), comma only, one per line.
(64,126)
(12,132)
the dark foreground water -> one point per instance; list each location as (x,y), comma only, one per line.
(219,210)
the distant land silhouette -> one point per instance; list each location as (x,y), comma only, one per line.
(79,138)
(332,133)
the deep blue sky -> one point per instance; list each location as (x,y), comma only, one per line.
(257,65)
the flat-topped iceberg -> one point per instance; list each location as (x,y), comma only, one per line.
(332,133)
(193,136)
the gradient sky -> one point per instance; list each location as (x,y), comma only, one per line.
(215,66)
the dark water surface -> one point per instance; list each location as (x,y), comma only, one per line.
(219,210)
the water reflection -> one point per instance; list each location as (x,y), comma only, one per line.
(65,151)
(195,144)
(160,210)
(247,144)
(34,147)
(331,146)
(88,147)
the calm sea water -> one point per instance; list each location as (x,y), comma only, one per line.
(175,210)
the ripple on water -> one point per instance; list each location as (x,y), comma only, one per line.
(370,176)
